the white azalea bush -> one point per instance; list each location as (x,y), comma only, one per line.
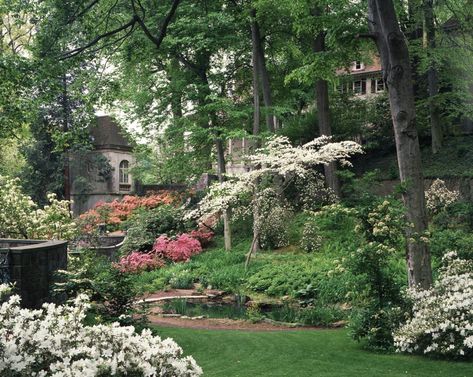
(20,217)
(442,319)
(53,341)
(438,196)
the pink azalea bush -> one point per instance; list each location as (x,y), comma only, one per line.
(137,262)
(177,250)
(202,236)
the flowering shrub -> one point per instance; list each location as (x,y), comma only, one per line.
(177,250)
(311,239)
(202,236)
(271,218)
(53,341)
(137,262)
(114,213)
(16,209)
(438,196)
(54,221)
(144,225)
(386,222)
(442,317)
(312,192)
(20,217)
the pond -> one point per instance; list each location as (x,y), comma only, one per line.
(236,309)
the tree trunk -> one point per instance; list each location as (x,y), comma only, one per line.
(256,101)
(263,72)
(227,234)
(397,73)
(323,117)
(432,77)
(65,126)
(221,168)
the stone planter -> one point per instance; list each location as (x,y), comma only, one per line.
(30,265)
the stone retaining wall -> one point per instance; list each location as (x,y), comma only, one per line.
(32,264)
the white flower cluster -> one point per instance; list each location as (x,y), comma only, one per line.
(442,320)
(54,342)
(311,239)
(277,158)
(54,221)
(20,217)
(438,196)
(280,157)
(387,221)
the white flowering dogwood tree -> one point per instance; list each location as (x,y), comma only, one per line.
(278,161)
(53,341)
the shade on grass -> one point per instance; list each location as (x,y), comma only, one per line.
(324,353)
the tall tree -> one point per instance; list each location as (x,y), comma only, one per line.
(261,70)
(323,116)
(392,47)
(432,75)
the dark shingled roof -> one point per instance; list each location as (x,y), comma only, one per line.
(107,134)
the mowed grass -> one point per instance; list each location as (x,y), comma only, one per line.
(324,353)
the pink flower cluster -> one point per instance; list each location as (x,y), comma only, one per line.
(202,236)
(177,250)
(137,262)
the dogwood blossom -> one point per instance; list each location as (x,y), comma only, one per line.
(277,158)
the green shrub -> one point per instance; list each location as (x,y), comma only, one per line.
(321,315)
(458,215)
(445,240)
(181,280)
(145,225)
(282,279)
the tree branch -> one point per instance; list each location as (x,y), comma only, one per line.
(78,50)
(157,40)
(371,36)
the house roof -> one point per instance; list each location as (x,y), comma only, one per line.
(107,134)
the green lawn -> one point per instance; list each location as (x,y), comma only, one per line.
(311,353)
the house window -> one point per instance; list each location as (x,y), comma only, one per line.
(344,87)
(359,86)
(358,66)
(124,177)
(379,85)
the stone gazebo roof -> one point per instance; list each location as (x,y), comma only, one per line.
(106,134)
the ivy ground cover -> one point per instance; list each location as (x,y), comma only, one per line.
(320,353)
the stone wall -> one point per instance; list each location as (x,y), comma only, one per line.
(461,184)
(32,264)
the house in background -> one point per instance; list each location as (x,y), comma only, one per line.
(102,174)
(362,79)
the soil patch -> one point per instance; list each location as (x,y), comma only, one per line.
(223,324)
